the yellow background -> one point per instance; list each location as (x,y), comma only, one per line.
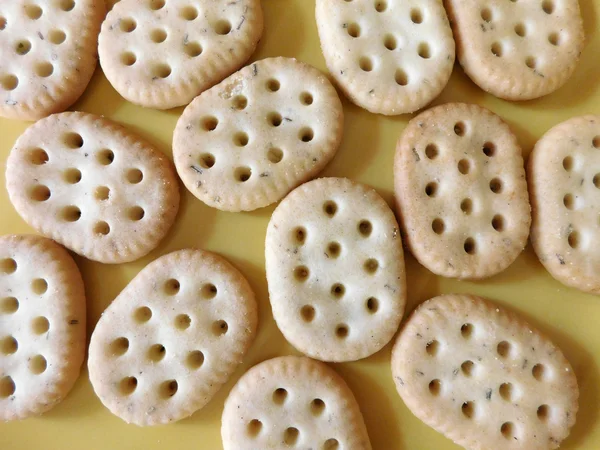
(570,318)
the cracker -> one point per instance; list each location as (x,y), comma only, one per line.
(483,377)
(161,54)
(48,52)
(42,325)
(517,50)
(388,56)
(461,191)
(564,181)
(248,141)
(335,269)
(172,338)
(292,401)
(92,186)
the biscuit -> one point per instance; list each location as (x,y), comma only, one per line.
(172,338)
(483,377)
(248,141)
(517,50)
(49,53)
(564,178)
(335,270)
(461,191)
(161,54)
(387,56)
(92,186)
(292,401)
(42,325)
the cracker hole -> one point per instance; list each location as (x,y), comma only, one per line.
(136,213)
(242,174)
(416,16)
(459,128)
(468,409)
(543,412)
(209,123)
(128,59)
(254,427)
(105,157)
(464,166)
(279,396)
(127,25)
(168,389)
(273,85)
(40,325)
(530,62)
(496,49)
(57,37)
(239,102)
(568,163)
(9,305)
(431,189)
(333,250)
(380,5)
(508,430)
(72,176)
(157,4)
(161,70)
(596,142)
(275,155)
(44,69)
(365,63)
(208,291)
(135,176)
(338,290)
(554,39)
(40,193)
(23,47)
(34,12)
(401,77)
(222,27)
(503,349)
(241,139)
(301,273)
(330,208)
(207,160)
(193,49)
(306,134)
(157,352)
(596,180)
(353,29)
(171,287)
(498,222)
(102,193)
(128,385)
(467,368)
(371,265)
(489,149)
(274,119)
(365,228)
(431,151)
(538,372)
(424,50)
(102,228)
(432,348)
(520,29)
(438,226)
(39,286)
(188,13)
(290,436)
(9,82)
(390,42)
(573,239)
(569,201)
(7,387)
(73,140)
(506,391)
(331,444)
(119,346)
(372,305)
(486,14)
(142,314)
(9,345)
(67,5)
(308,313)
(220,327)
(342,331)
(466,330)
(299,235)
(195,359)
(2,23)
(317,406)
(182,322)
(8,265)
(435,387)
(548,6)
(38,365)
(496,185)
(306,98)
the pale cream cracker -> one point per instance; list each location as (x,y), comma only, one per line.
(42,325)
(296,402)
(564,180)
(48,53)
(461,191)
(92,186)
(388,56)
(517,50)
(248,141)
(172,338)
(483,377)
(335,269)
(161,54)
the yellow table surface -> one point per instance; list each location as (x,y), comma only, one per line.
(570,318)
